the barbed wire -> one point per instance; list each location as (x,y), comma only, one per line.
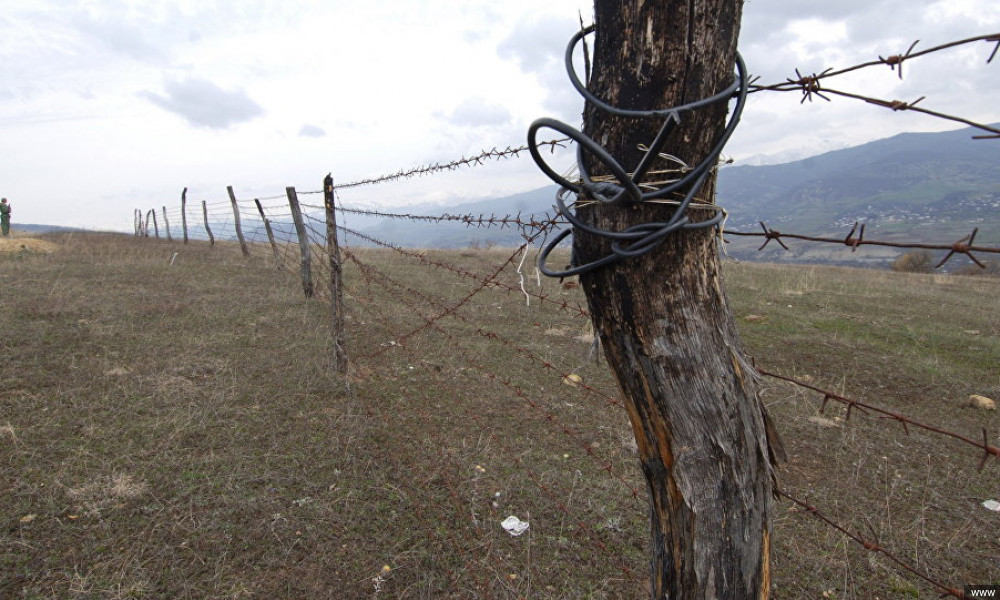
(564,305)
(404,294)
(470,161)
(391,284)
(631,242)
(315,227)
(872,546)
(987,448)
(813,84)
(965,246)
(533,221)
(483,284)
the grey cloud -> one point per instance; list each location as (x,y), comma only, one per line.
(872,27)
(312,131)
(120,38)
(477,112)
(564,102)
(955,82)
(204,104)
(538,46)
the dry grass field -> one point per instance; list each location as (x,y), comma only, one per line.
(170,428)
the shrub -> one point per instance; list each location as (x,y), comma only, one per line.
(919,261)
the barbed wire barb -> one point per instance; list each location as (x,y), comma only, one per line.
(896,60)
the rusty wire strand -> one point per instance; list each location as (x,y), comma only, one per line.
(564,305)
(964,246)
(898,105)
(988,449)
(872,546)
(486,283)
(443,456)
(391,284)
(433,322)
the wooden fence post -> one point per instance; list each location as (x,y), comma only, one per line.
(270,234)
(184,216)
(166,224)
(336,273)
(236,217)
(663,319)
(204,210)
(300,229)
(156,228)
(146,228)
(137,218)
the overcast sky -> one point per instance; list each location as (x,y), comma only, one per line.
(111,105)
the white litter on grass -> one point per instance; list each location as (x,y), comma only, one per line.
(514,526)
(992,505)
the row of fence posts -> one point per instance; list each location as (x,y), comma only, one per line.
(339,347)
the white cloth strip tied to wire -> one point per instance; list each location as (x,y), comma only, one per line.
(628,187)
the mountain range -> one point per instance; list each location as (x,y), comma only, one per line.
(917,187)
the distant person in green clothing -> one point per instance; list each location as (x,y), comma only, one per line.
(4,217)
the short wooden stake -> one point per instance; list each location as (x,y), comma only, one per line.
(184,215)
(204,210)
(300,229)
(166,224)
(336,290)
(236,218)
(270,234)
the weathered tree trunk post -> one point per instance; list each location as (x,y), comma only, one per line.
(184,215)
(663,319)
(336,272)
(137,217)
(156,229)
(166,224)
(300,229)
(236,218)
(270,234)
(204,210)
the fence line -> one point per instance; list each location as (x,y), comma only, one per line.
(312,239)
(314,227)
(532,223)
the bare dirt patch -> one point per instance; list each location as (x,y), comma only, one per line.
(26,245)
